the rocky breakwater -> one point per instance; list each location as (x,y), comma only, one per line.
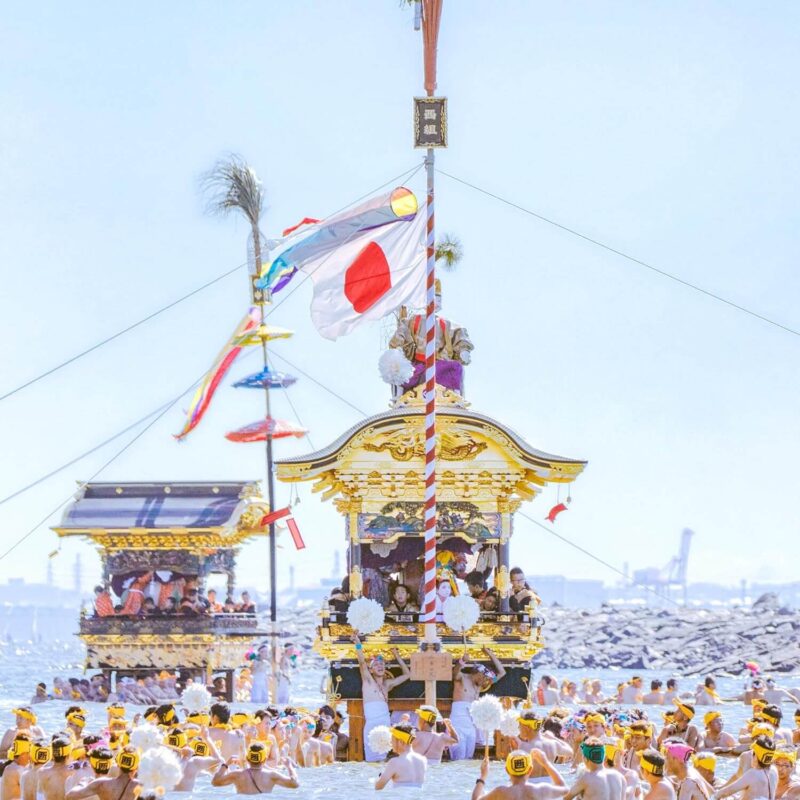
(688,641)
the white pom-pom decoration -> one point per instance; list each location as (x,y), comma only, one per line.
(380,739)
(509,724)
(394,367)
(486,713)
(159,772)
(460,612)
(196,698)
(365,615)
(146,737)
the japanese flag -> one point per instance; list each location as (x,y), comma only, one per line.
(369,276)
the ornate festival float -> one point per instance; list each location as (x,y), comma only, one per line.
(158,541)
(375,474)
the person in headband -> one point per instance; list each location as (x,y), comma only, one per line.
(521,767)
(19,758)
(434,734)
(706,764)
(176,739)
(128,760)
(115,710)
(40,753)
(407,768)
(253,775)
(593,750)
(518,763)
(652,764)
(101,759)
(714,735)
(760,780)
(788,784)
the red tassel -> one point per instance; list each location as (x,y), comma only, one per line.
(555,511)
(274,516)
(295,531)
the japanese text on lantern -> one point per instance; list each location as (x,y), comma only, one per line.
(430,122)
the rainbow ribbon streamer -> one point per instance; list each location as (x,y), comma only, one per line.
(205,392)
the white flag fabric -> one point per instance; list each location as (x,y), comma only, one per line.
(368,277)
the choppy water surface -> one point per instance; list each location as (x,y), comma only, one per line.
(23,665)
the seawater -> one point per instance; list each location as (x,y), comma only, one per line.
(22,665)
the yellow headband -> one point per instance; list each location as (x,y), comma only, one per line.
(785,755)
(256,753)
(59,749)
(115,710)
(402,736)
(535,724)
(25,714)
(428,716)
(199,717)
(650,767)
(100,763)
(594,718)
(18,748)
(200,747)
(177,738)
(239,718)
(764,755)
(687,710)
(710,717)
(77,719)
(705,761)
(611,751)
(762,730)
(127,762)
(78,753)
(40,754)
(518,763)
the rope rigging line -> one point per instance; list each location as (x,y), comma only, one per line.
(116,335)
(409,173)
(110,461)
(626,256)
(596,558)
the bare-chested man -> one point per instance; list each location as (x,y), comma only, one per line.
(681,727)
(641,737)
(761,780)
(428,741)
(530,738)
(632,778)
(706,765)
(469,682)
(407,768)
(19,755)
(715,737)
(773,715)
(376,683)
(788,782)
(53,777)
(39,757)
(202,757)
(518,768)
(100,761)
(230,743)
(121,787)
(253,778)
(24,721)
(689,784)
(652,765)
(597,782)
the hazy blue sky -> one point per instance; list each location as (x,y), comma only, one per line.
(668,130)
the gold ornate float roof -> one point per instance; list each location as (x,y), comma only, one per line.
(166,515)
(383,457)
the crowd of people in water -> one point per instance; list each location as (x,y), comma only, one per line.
(621,747)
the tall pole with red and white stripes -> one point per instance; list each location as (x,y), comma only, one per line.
(431,15)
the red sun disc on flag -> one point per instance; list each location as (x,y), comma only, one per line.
(368,278)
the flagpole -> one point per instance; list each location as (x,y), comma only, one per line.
(431,13)
(273,604)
